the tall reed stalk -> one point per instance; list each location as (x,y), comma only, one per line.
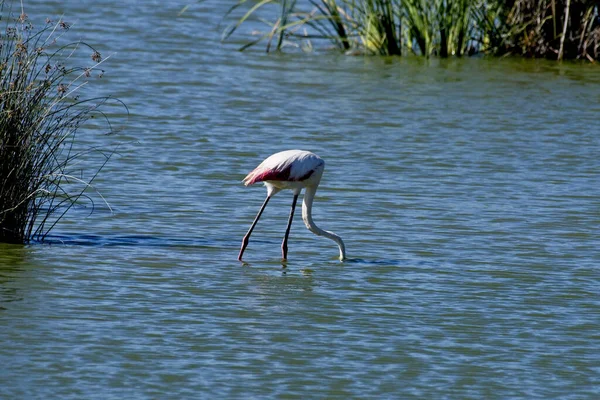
(378,26)
(40,114)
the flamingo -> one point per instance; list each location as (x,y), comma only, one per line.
(295,170)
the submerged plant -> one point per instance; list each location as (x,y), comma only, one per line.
(40,113)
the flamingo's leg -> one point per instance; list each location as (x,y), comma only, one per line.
(247,236)
(284,246)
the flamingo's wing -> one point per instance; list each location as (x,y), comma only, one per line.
(290,165)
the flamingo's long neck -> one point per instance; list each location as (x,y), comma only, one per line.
(309,196)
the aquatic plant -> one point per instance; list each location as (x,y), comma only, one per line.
(41,168)
(555,29)
(381,27)
(371,26)
(538,28)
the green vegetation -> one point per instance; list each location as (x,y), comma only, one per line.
(554,29)
(40,112)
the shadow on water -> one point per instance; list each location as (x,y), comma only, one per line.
(130,240)
(150,241)
(307,266)
(13,259)
(384,262)
(12,255)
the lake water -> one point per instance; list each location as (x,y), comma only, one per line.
(467,192)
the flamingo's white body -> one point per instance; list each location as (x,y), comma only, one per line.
(295,170)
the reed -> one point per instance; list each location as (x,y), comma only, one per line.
(538,28)
(371,26)
(40,114)
(418,21)
(554,29)
(379,26)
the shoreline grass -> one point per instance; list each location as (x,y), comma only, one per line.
(41,168)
